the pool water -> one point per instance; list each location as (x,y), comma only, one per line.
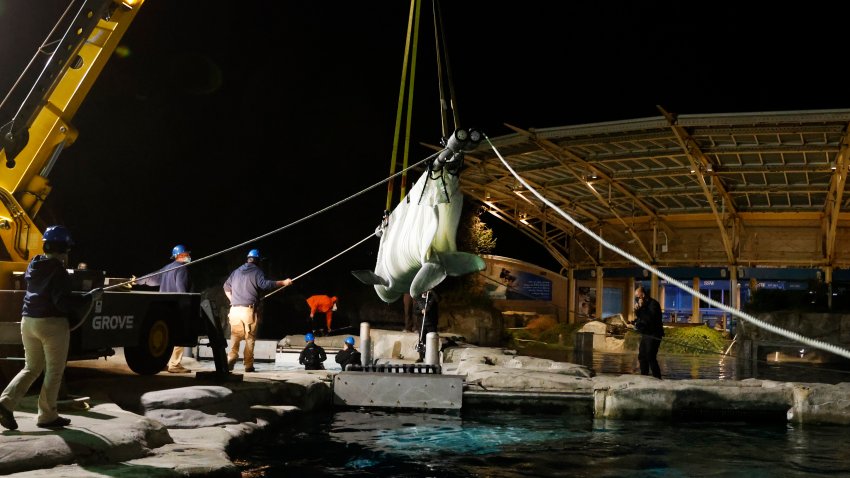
(542,443)
(485,443)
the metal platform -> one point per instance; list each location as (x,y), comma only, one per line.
(398,390)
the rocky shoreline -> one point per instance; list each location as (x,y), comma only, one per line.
(185,425)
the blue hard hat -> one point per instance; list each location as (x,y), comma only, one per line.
(349,340)
(178,249)
(58,234)
(309,337)
(255,253)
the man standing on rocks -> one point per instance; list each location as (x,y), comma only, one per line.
(648,323)
(45,330)
(243,289)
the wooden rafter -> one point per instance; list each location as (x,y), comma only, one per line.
(836,190)
(700,163)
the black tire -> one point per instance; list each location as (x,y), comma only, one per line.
(154,349)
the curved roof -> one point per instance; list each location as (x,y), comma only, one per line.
(745,189)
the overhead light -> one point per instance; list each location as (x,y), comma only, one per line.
(832,165)
(709,168)
(693,171)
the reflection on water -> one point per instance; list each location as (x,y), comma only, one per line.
(508,444)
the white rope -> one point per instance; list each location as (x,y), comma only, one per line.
(323,263)
(263,236)
(744,316)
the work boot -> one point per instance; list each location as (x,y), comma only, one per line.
(7,419)
(250,369)
(178,369)
(58,423)
(231,362)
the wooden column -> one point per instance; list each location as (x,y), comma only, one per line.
(695,302)
(600,289)
(571,296)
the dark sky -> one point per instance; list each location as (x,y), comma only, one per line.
(229,120)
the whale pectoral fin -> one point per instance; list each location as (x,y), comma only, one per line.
(429,276)
(461,263)
(369,277)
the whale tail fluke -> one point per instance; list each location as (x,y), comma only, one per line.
(429,276)
(446,264)
(369,277)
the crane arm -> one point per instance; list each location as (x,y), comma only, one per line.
(41,128)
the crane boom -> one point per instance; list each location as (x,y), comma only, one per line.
(31,143)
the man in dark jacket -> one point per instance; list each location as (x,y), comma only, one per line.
(174,277)
(45,330)
(348,355)
(243,289)
(312,356)
(648,323)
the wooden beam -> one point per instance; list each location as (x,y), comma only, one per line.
(548,145)
(699,163)
(833,202)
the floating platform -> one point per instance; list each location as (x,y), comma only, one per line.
(398,390)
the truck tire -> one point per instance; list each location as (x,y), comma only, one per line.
(154,349)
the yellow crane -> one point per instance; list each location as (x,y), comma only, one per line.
(41,128)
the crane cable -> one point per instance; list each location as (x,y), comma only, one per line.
(443,54)
(413,19)
(275,231)
(744,316)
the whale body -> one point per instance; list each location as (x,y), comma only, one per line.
(418,247)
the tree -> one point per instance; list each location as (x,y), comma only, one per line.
(473,234)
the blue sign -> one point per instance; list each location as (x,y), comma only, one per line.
(531,287)
(520,285)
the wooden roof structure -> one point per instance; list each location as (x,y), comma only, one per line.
(728,190)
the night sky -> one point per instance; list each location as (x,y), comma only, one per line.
(229,120)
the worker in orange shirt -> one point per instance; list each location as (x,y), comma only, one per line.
(325,304)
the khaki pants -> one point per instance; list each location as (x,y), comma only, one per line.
(243,326)
(45,349)
(176,357)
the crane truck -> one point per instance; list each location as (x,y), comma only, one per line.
(147,325)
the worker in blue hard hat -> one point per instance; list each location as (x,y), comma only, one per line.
(243,289)
(348,355)
(173,277)
(312,357)
(46,330)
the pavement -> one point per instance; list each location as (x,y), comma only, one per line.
(164,425)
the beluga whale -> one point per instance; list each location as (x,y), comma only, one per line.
(418,247)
